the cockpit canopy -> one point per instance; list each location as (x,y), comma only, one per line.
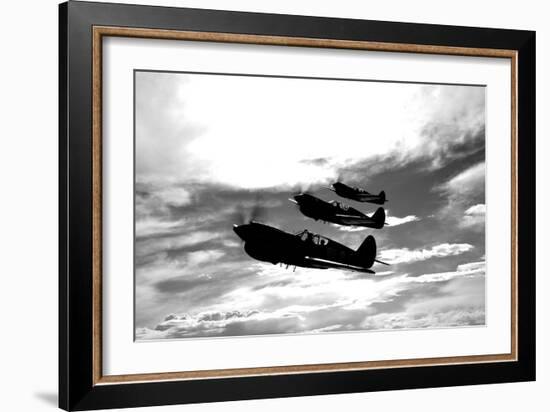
(307,236)
(359,190)
(339,205)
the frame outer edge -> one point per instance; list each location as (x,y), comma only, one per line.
(77,359)
(527,206)
(78,216)
(63,376)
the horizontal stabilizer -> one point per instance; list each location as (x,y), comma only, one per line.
(379,261)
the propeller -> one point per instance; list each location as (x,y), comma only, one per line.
(245,213)
(300,189)
(239,215)
(339,176)
(258,211)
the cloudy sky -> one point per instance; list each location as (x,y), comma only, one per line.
(211,147)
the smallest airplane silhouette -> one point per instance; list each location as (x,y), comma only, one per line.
(355,193)
(336,212)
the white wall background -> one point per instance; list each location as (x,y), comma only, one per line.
(28,207)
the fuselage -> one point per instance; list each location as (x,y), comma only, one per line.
(334,212)
(273,245)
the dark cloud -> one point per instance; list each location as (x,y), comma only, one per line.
(181,284)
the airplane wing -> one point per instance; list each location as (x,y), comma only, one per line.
(354,220)
(365,197)
(329,264)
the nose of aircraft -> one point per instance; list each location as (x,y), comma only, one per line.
(297,199)
(240,230)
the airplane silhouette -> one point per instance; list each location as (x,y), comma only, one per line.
(355,193)
(305,249)
(336,212)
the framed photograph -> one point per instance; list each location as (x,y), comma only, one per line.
(256,205)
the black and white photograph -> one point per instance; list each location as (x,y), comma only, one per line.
(298,205)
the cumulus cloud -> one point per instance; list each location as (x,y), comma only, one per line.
(474,217)
(390,220)
(396,221)
(202,256)
(446,299)
(429,300)
(477,267)
(467,182)
(213,323)
(457,128)
(467,316)
(394,256)
(467,269)
(476,210)
(351,228)
(384,273)
(462,190)
(151,226)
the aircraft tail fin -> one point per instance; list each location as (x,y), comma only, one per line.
(367,251)
(382,195)
(379,217)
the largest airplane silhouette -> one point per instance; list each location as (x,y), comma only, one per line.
(305,249)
